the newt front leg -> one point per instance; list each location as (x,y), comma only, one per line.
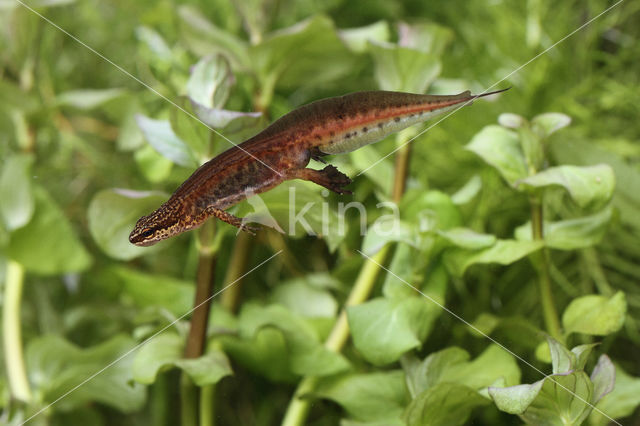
(229,218)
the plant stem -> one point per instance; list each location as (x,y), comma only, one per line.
(592,263)
(237,267)
(188,401)
(401,172)
(204,289)
(299,408)
(199,320)
(541,261)
(159,409)
(207,405)
(14,360)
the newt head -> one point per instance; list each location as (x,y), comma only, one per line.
(157,226)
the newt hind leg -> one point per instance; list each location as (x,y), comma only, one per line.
(329,177)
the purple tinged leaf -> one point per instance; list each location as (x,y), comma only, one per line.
(603,378)
(582,353)
(515,399)
(210,81)
(562,359)
(221,118)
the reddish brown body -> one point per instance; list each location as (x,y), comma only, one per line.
(283,150)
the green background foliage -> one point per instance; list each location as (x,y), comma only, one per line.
(85,150)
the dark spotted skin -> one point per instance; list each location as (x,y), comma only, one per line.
(282,151)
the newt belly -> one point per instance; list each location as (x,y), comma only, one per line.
(282,151)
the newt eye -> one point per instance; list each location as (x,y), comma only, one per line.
(147,233)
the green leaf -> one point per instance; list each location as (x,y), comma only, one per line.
(589,186)
(112,215)
(298,56)
(571,234)
(266,353)
(562,359)
(383,329)
(410,266)
(426,37)
(626,199)
(621,402)
(468,192)
(306,353)
(155,43)
(503,252)
(582,353)
(556,400)
(188,129)
(163,139)
(165,351)
(603,378)
(546,124)
(155,356)
(386,229)
(57,367)
(256,16)
(500,148)
(129,134)
(512,121)
(452,365)
(210,81)
(17,206)
(444,404)
(381,174)
(204,38)
(492,364)
(468,238)
(88,98)
(430,211)
(234,125)
(48,244)
(147,290)
(595,315)
(154,166)
(379,396)
(357,39)
(515,399)
(403,69)
(433,370)
(303,299)
(207,369)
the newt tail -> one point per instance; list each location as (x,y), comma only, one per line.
(283,150)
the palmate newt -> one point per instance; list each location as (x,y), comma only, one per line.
(283,150)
